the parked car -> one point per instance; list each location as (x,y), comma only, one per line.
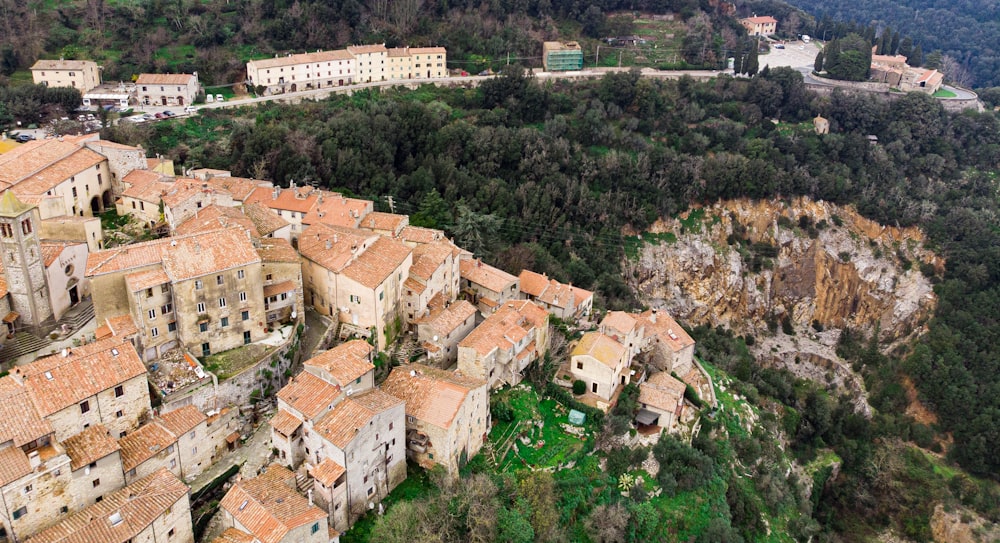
(779,46)
(190,109)
(24,138)
(169,113)
(220,98)
(160,116)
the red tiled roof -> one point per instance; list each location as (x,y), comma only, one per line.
(327,472)
(345,362)
(341,425)
(602,348)
(448,319)
(285,423)
(492,278)
(662,391)
(138,505)
(89,446)
(165,79)
(309,394)
(233,535)
(276,250)
(84,372)
(666,329)
(268,507)
(432,395)
(181,421)
(14,464)
(144,443)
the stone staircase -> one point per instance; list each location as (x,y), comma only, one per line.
(21,344)
(78,316)
(302,482)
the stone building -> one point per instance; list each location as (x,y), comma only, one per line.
(96,464)
(447,414)
(167,89)
(441,332)
(148,450)
(99,383)
(269,508)
(661,401)
(348,366)
(499,349)
(203,292)
(291,73)
(78,74)
(601,362)
(370,62)
(561,300)
(70,178)
(194,446)
(24,268)
(152,509)
(433,280)
(487,287)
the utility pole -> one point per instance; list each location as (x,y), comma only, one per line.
(597,59)
(620,58)
(392,204)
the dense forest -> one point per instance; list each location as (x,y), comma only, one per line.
(966,33)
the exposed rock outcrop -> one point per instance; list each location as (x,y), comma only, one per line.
(741,263)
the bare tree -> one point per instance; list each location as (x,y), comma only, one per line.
(955,71)
(404,15)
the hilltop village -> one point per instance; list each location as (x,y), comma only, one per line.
(200,318)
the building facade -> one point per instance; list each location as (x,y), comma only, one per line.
(167,89)
(78,74)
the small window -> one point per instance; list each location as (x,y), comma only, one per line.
(244,315)
(240,274)
(268,278)
(170,533)
(63,510)
(27,489)
(84,406)
(194,450)
(119,391)
(18,513)
(243,296)
(222,302)
(225,322)
(152,312)
(172,327)
(173,463)
(579,365)
(201,307)
(206,349)
(119,414)
(167,309)
(131,472)
(315,528)
(198,285)
(154,332)
(95,483)
(246,337)
(390,426)
(219,280)
(93,465)
(203,327)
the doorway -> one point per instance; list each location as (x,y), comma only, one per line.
(74,295)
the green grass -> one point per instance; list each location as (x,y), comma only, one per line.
(559,446)
(693,221)
(227,91)
(417,486)
(634,243)
(229,363)
(944,93)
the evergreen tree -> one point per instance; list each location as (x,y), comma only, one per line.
(933,60)
(738,58)
(752,63)
(819,62)
(917,57)
(894,44)
(906,47)
(883,42)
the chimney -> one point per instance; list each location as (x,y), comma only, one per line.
(310,494)
(328,245)
(652,317)
(34,459)
(335,238)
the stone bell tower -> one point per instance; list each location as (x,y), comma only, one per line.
(21,254)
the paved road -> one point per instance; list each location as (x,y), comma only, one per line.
(797,55)
(253,454)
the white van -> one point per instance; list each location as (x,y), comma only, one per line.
(805,38)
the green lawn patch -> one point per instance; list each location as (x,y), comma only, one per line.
(226,92)
(229,363)
(417,486)
(944,93)
(693,220)
(634,243)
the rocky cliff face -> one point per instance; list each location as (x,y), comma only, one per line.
(741,263)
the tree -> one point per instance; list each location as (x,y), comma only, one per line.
(434,212)
(933,60)
(917,57)
(894,44)
(476,231)
(538,490)
(752,63)
(906,48)
(818,66)
(607,523)
(513,527)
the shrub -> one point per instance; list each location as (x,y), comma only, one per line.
(786,326)
(579,387)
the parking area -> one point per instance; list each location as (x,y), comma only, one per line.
(796,54)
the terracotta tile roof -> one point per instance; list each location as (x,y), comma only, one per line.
(417,234)
(263,219)
(760,20)
(390,222)
(63,64)
(52,249)
(40,165)
(285,423)
(432,395)
(300,199)
(397,52)
(414,285)
(144,443)
(3,286)
(137,178)
(427,50)
(662,391)
(233,535)
(276,250)
(666,329)
(602,348)
(581,296)
(377,263)
(301,58)
(428,257)
(195,256)
(487,276)
(278,288)
(308,394)
(345,362)
(141,280)
(366,49)
(128,257)
(165,79)
(122,325)
(86,370)
(183,420)
(337,210)
(240,187)
(445,321)
(171,192)
(327,472)
(550,291)
(333,247)
(503,328)
(138,505)
(89,446)
(618,321)
(14,464)
(215,217)
(537,316)
(105,144)
(268,507)
(341,425)
(20,421)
